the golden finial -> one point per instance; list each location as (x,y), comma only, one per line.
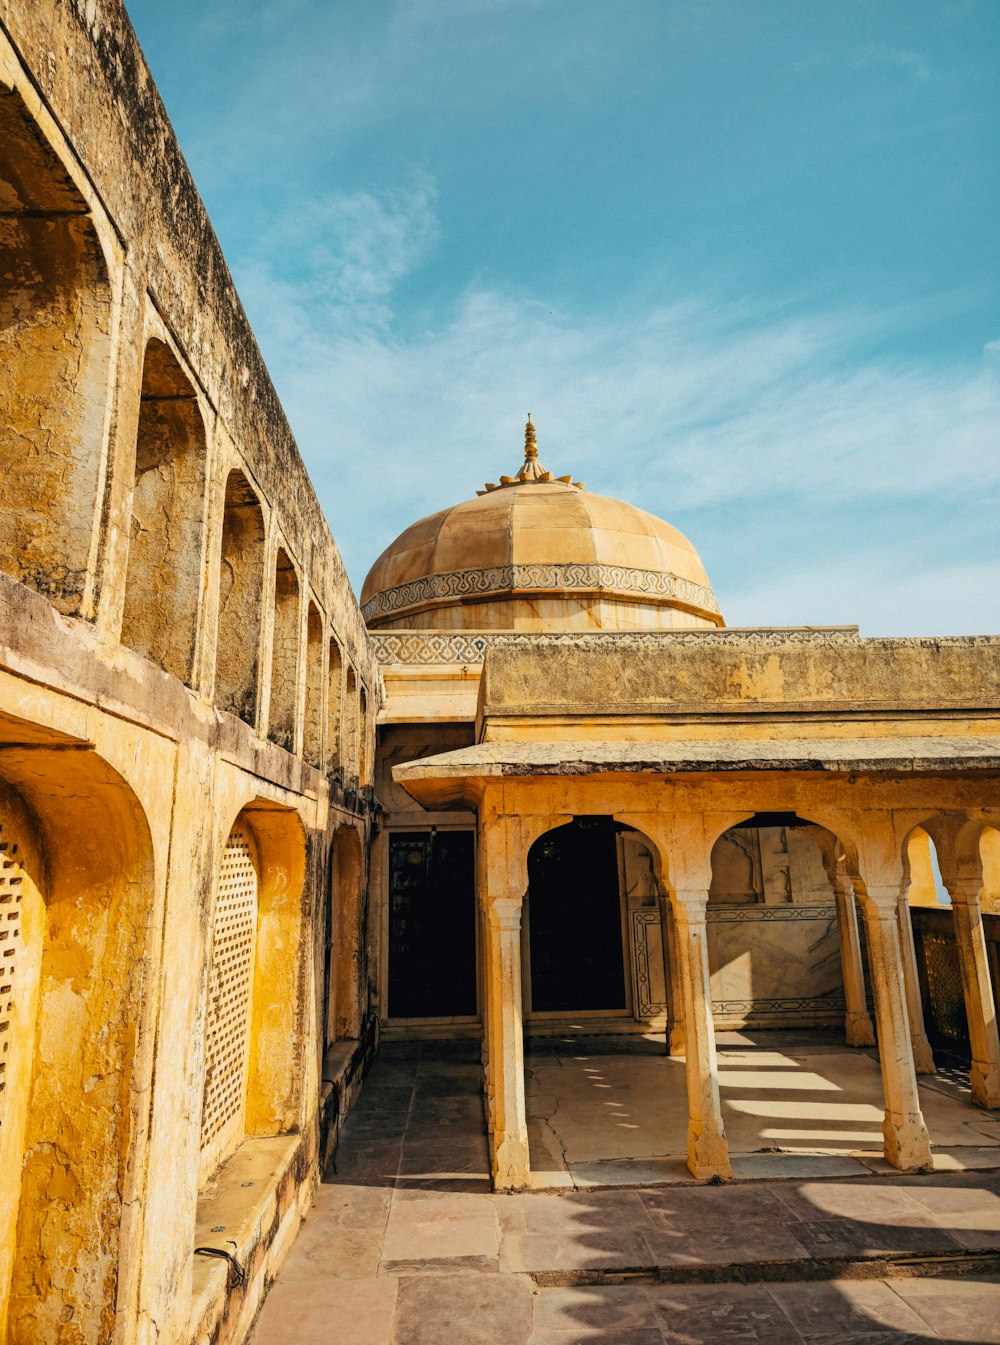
(531,469)
(530,447)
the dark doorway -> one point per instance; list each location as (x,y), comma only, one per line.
(575,930)
(432,924)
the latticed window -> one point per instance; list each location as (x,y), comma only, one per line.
(230,991)
(11,884)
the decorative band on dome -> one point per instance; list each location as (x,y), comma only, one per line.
(504,580)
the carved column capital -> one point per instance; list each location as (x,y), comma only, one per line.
(505,913)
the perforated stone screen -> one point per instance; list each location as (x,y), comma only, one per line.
(230,988)
(11,881)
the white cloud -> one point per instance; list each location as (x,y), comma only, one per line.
(698,405)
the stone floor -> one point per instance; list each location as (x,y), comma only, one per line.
(405,1244)
(616,1113)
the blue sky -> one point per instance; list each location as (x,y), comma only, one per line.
(740,258)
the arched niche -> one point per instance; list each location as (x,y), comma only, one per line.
(335,693)
(253,1025)
(84,846)
(284,653)
(55,361)
(312,730)
(349,724)
(364,729)
(241,579)
(345,927)
(163,581)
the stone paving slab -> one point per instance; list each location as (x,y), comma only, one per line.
(406,1245)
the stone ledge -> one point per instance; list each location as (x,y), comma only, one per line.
(256,1200)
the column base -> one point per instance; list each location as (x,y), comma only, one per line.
(923,1056)
(907,1144)
(511,1167)
(858,1030)
(708,1157)
(984,1079)
(675,1041)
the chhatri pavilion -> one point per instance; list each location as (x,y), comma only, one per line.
(607,811)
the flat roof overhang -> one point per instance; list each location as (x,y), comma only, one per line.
(446,777)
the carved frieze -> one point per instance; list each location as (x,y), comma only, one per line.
(498,580)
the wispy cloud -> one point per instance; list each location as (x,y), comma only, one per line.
(700,405)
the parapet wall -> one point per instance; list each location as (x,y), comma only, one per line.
(757,673)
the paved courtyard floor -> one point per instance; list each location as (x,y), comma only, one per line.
(405,1244)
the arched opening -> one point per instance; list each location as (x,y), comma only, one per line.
(349,724)
(55,352)
(955,949)
(163,582)
(346,936)
(241,578)
(786,958)
(773,927)
(312,732)
(573,921)
(76,876)
(284,653)
(250,1073)
(335,691)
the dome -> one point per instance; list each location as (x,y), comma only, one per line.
(535,552)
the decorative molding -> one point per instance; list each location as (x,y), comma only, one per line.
(806,1004)
(642,923)
(724,915)
(469,647)
(501,580)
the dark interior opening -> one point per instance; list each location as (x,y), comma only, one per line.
(575,930)
(432,924)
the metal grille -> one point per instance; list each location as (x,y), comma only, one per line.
(11,882)
(230,984)
(944,983)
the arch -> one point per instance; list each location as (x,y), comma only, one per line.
(56,314)
(163,580)
(573,919)
(241,578)
(284,653)
(346,926)
(335,692)
(86,851)
(772,859)
(312,730)
(349,731)
(260,932)
(922,871)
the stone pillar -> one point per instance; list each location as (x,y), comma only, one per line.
(977,989)
(923,1056)
(907,1145)
(708,1152)
(509,1139)
(671,978)
(858,1027)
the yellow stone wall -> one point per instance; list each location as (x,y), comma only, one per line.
(179,649)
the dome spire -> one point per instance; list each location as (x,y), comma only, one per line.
(531,469)
(530,447)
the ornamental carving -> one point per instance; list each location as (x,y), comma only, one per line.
(500,580)
(469,647)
